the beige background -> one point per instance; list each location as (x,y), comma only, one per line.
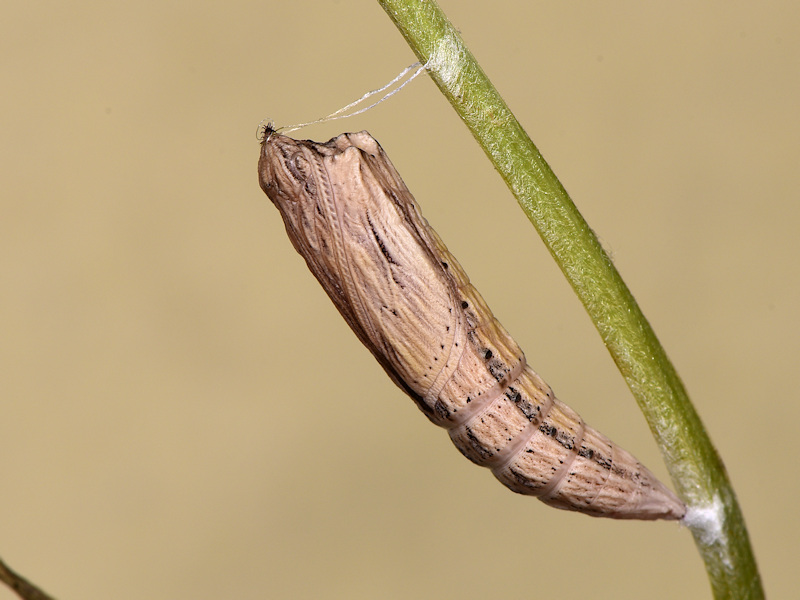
(184,415)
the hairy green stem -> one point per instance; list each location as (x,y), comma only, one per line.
(714,516)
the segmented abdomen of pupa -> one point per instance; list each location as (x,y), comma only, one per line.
(500,414)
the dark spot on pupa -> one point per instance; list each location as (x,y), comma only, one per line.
(464,304)
(441,410)
(488,355)
(444,264)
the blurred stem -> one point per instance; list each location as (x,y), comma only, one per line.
(24,588)
(714,516)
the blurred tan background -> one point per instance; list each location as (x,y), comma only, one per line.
(185,415)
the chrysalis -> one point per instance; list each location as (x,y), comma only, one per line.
(349,214)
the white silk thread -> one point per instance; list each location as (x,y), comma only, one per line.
(338,114)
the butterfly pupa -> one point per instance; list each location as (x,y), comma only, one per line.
(362,235)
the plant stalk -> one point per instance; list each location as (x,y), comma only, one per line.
(714,516)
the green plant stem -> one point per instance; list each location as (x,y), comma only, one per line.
(714,516)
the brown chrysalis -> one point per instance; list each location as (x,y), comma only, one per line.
(349,214)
